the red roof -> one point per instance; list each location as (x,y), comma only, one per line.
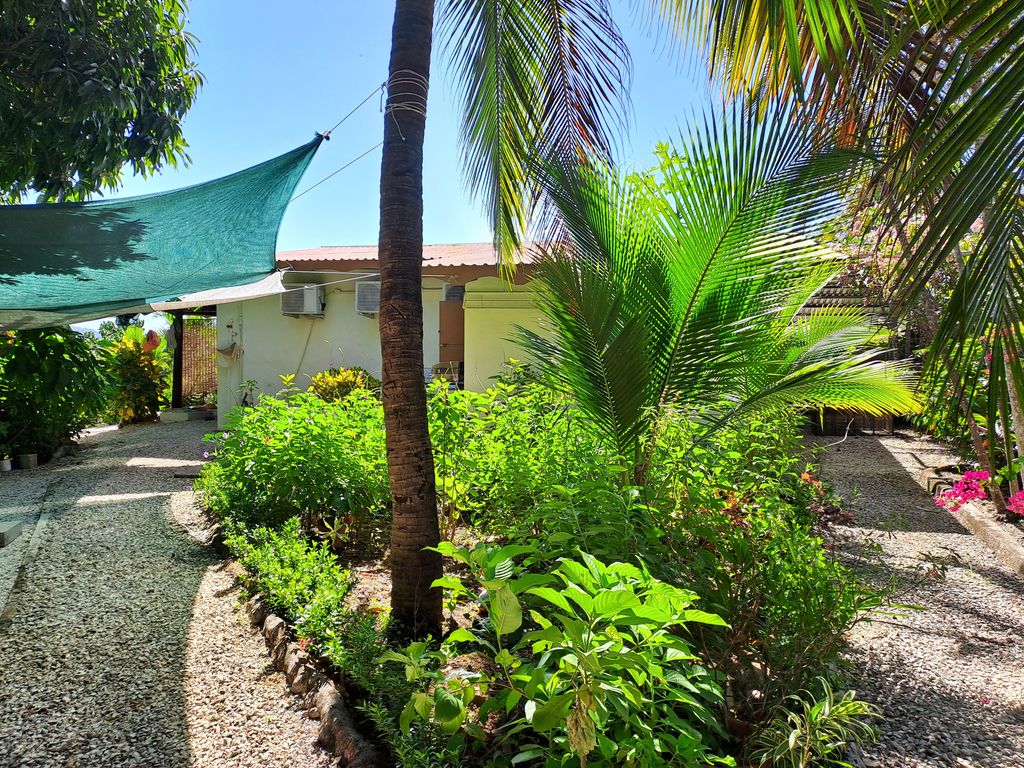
(442,255)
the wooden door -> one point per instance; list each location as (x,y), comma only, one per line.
(452,332)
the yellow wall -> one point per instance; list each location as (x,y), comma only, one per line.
(493,310)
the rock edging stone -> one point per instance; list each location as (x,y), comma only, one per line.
(321,696)
(1003,543)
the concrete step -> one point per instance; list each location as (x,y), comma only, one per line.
(9,532)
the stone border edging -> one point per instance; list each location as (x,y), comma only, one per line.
(975,518)
(1004,545)
(323,699)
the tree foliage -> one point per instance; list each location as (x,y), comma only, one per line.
(938,87)
(687,288)
(87,87)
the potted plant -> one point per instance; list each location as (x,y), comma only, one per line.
(28,460)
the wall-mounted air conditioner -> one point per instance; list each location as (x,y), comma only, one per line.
(368,297)
(303,300)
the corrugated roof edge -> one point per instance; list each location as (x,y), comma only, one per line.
(436,254)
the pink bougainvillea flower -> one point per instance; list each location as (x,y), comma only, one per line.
(1015,504)
(971,487)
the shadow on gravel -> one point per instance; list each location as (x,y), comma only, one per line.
(897,502)
(94,656)
(932,727)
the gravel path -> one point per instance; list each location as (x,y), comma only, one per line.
(125,645)
(949,677)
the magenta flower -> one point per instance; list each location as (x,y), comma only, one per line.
(1015,504)
(968,489)
(206,454)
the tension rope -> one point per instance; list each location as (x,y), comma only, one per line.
(416,94)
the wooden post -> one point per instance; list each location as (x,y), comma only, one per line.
(179,348)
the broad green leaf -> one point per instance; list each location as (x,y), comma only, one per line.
(552,596)
(611,602)
(505,612)
(446,706)
(551,713)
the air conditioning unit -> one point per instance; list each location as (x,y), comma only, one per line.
(368,297)
(303,300)
(454,292)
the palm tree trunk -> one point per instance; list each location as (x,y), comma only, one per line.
(415,605)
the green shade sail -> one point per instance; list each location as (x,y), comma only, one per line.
(70,262)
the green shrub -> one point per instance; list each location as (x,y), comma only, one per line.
(501,452)
(300,456)
(588,663)
(298,578)
(337,383)
(52,386)
(811,730)
(139,376)
(741,515)
(303,582)
(734,519)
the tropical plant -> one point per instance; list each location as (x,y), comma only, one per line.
(501,452)
(814,731)
(687,288)
(337,383)
(415,606)
(539,76)
(303,457)
(939,87)
(588,663)
(88,87)
(139,376)
(53,384)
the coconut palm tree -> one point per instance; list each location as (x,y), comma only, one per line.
(416,608)
(540,79)
(539,76)
(687,288)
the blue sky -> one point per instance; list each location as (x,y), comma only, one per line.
(276,72)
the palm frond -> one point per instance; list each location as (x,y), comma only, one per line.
(540,78)
(682,286)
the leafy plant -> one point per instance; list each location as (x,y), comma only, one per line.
(588,664)
(684,287)
(500,452)
(741,514)
(301,456)
(139,374)
(297,577)
(809,731)
(336,383)
(53,384)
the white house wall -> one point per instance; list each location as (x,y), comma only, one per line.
(268,344)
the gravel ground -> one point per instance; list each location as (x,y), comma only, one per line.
(20,496)
(948,677)
(126,646)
